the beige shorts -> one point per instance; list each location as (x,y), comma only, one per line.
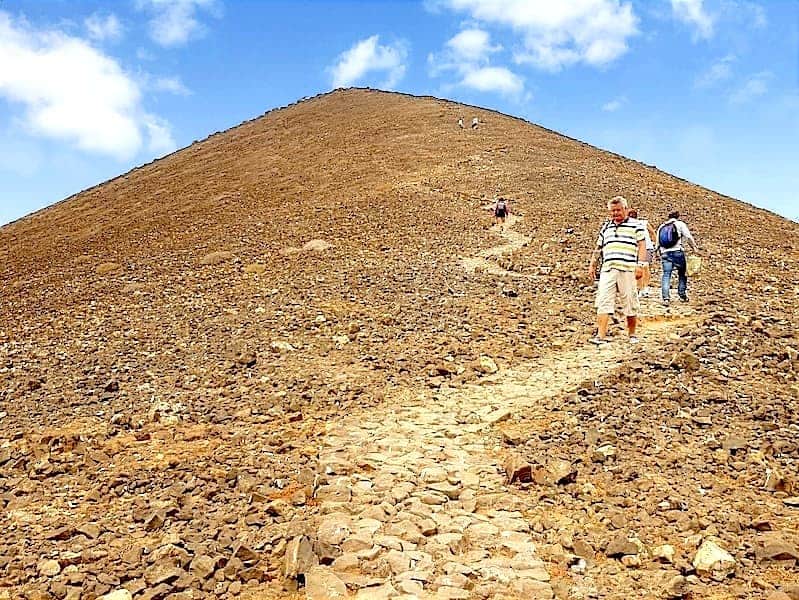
(613,283)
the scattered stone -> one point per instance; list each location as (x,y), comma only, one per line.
(621,546)
(300,557)
(280,346)
(604,453)
(316,246)
(497,416)
(215,258)
(775,546)
(664,553)
(255,269)
(322,584)
(711,560)
(122,594)
(90,530)
(108,268)
(517,469)
(685,360)
(677,587)
(202,566)
(792,589)
(486,366)
(49,568)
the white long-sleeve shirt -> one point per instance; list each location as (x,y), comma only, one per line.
(684,234)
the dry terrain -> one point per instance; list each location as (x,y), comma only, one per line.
(295,360)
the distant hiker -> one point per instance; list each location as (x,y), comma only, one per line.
(643,283)
(501,211)
(460,122)
(669,240)
(475,122)
(622,245)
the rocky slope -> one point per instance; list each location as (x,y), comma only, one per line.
(265,365)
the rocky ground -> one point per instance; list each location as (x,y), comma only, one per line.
(293,360)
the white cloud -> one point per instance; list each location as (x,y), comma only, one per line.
(472,45)
(174,22)
(368,56)
(493,79)
(754,87)
(745,13)
(558,34)
(68,90)
(614,104)
(467,55)
(160,135)
(758,15)
(103,28)
(173,85)
(718,72)
(692,12)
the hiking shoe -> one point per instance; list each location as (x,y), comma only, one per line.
(665,302)
(684,298)
(634,339)
(598,341)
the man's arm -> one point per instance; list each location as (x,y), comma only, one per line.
(690,239)
(642,251)
(592,265)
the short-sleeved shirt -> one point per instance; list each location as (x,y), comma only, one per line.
(619,244)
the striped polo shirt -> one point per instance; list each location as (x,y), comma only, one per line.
(619,244)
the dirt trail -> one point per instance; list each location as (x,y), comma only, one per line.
(415,491)
(515,241)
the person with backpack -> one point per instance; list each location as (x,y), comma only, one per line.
(501,211)
(622,245)
(670,237)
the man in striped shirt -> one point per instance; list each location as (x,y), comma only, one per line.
(622,245)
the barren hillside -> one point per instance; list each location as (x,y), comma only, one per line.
(294,357)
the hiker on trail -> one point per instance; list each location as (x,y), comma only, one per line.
(643,283)
(460,122)
(622,245)
(475,122)
(501,211)
(669,241)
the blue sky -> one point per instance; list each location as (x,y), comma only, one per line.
(705,89)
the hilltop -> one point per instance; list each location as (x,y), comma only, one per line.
(299,340)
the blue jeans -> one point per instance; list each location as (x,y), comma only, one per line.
(669,261)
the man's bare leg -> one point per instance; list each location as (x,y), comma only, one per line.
(632,323)
(602,326)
